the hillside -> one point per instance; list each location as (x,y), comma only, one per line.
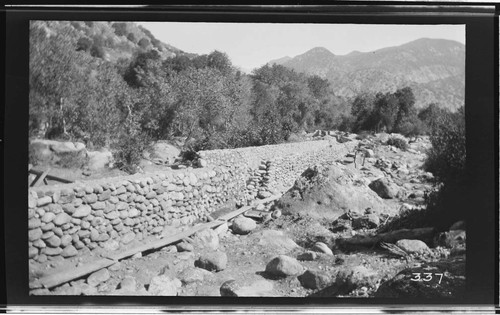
(110,41)
(433,68)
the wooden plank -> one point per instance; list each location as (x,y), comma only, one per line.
(52,177)
(423,234)
(74,273)
(164,241)
(39,178)
(244,209)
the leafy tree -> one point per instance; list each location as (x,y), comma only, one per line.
(131,37)
(431,116)
(319,87)
(200,62)
(84,44)
(177,63)
(220,61)
(143,63)
(56,79)
(144,43)
(97,51)
(120,28)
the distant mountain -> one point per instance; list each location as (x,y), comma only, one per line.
(280,60)
(433,68)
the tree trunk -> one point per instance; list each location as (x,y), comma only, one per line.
(423,234)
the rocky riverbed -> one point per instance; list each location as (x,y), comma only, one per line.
(293,247)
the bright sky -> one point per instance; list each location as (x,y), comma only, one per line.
(251,45)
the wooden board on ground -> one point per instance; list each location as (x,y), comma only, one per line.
(41,177)
(46,176)
(423,234)
(59,278)
(163,242)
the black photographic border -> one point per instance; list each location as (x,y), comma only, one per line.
(481,100)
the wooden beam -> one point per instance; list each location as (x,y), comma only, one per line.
(61,277)
(51,177)
(40,177)
(164,241)
(423,234)
(244,209)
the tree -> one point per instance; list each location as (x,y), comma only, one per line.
(97,51)
(120,28)
(131,37)
(139,68)
(319,87)
(220,61)
(144,43)
(431,116)
(177,63)
(83,44)
(56,79)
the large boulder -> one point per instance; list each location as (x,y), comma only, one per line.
(384,188)
(274,241)
(243,225)
(251,287)
(164,285)
(284,266)
(212,261)
(413,246)
(163,152)
(51,152)
(356,277)
(327,192)
(194,274)
(314,279)
(99,160)
(206,239)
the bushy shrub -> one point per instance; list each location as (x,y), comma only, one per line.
(83,44)
(131,37)
(398,143)
(447,160)
(97,51)
(412,127)
(408,218)
(144,43)
(130,145)
(120,28)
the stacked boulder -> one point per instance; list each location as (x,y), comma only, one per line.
(259,184)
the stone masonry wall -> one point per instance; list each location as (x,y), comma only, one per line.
(66,219)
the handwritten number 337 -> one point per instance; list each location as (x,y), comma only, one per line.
(426,276)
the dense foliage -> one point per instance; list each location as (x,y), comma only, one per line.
(447,161)
(114,85)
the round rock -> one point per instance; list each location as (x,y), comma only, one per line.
(164,285)
(413,246)
(314,279)
(98,277)
(243,225)
(284,266)
(213,261)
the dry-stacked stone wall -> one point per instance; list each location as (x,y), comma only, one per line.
(109,213)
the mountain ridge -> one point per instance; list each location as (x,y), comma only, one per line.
(434,68)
